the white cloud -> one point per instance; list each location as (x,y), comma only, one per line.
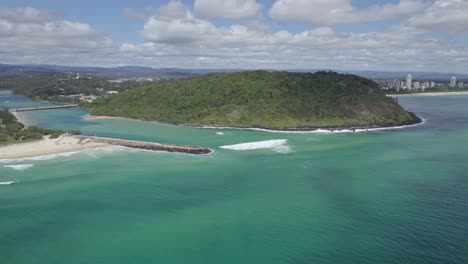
(227,9)
(26,15)
(175,24)
(184,30)
(183,39)
(332,12)
(447,16)
(175,36)
(33,33)
(173,9)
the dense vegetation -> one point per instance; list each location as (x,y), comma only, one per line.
(279,100)
(58,88)
(12,131)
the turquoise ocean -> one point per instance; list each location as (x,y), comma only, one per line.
(387,196)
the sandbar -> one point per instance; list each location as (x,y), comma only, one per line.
(47,146)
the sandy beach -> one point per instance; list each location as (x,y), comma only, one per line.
(94,117)
(21,118)
(47,146)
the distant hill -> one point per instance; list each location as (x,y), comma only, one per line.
(177,73)
(276,100)
(7,70)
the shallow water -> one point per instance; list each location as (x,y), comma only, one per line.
(392,196)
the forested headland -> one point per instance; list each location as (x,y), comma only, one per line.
(276,100)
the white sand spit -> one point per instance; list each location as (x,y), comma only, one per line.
(47,146)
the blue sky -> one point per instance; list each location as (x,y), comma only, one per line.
(414,35)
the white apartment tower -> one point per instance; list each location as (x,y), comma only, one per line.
(453,82)
(409,79)
(396,85)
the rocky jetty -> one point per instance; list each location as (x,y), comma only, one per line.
(149,145)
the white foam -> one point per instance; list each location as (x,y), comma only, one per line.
(283,149)
(92,152)
(40,158)
(8,182)
(19,167)
(278,145)
(320,131)
(220,133)
(96,153)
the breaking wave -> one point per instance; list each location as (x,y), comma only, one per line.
(19,167)
(8,182)
(89,152)
(278,145)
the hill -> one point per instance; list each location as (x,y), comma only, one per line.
(276,100)
(9,70)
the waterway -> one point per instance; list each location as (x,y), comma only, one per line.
(391,196)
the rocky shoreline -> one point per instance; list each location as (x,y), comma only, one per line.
(416,120)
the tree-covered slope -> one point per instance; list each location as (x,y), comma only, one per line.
(261,99)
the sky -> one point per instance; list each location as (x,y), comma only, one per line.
(388,35)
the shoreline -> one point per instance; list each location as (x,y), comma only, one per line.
(305,129)
(70,143)
(20,117)
(430,94)
(47,146)
(89,117)
(319,130)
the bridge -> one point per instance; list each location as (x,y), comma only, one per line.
(44,108)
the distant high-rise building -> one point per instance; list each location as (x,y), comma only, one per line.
(396,85)
(417,85)
(460,85)
(424,86)
(409,79)
(453,82)
(402,84)
(432,84)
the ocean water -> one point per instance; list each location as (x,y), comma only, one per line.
(392,196)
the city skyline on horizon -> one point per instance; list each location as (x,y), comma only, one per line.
(370,35)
